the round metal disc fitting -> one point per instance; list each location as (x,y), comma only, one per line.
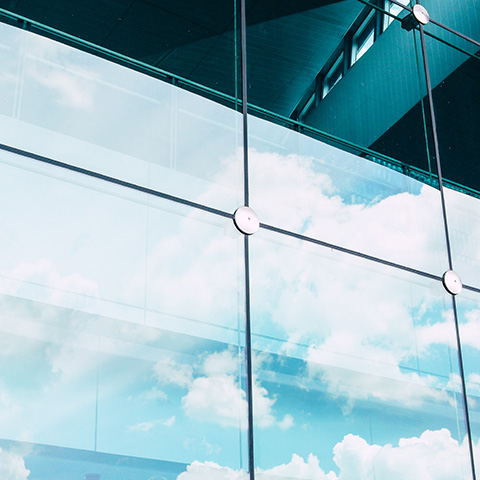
(421,14)
(452,282)
(246,220)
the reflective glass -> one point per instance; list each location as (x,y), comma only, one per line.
(121,331)
(363,47)
(303,185)
(378,102)
(468,307)
(396,10)
(364,37)
(356,365)
(86,111)
(464,229)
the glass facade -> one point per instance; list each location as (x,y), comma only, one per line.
(144,336)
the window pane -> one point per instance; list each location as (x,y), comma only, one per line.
(81,109)
(122,329)
(397,10)
(464,220)
(367,43)
(333,76)
(468,306)
(365,385)
(303,185)
(363,37)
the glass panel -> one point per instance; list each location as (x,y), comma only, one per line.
(334,75)
(464,229)
(364,37)
(468,307)
(83,110)
(378,102)
(121,330)
(303,185)
(363,47)
(361,359)
(396,10)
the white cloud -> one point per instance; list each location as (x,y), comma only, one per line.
(72,89)
(311,194)
(464,228)
(214,393)
(353,321)
(211,471)
(70,362)
(365,371)
(200,443)
(219,399)
(12,412)
(199,262)
(470,329)
(147,426)
(42,281)
(444,332)
(141,427)
(287,422)
(12,466)
(297,468)
(223,363)
(435,455)
(167,371)
(154,395)
(169,421)
(216,399)
(263,409)
(473,389)
(74,85)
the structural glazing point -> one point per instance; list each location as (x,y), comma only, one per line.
(246,220)
(452,282)
(419,15)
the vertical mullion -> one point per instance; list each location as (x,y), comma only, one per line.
(243,35)
(248,339)
(248,355)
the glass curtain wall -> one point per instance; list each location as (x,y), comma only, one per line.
(144,336)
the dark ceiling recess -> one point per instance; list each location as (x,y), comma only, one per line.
(141,27)
(457,113)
